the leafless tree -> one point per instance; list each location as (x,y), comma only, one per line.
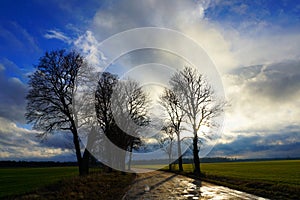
(122,108)
(171,104)
(130,108)
(198,102)
(84,107)
(50,98)
(103,108)
(166,140)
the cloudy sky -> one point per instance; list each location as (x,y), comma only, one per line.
(254,46)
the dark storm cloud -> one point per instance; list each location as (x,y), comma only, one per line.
(65,157)
(58,140)
(278,82)
(16,140)
(285,143)
(12,97)
(19,143)
(13,136)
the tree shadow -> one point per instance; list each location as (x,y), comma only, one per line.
(142,179)
(157,184)
(162,182)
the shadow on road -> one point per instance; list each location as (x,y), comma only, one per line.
(162,182)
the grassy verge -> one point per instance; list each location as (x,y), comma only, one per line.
(271,179)
(68,186)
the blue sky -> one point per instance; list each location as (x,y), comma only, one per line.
(25,24)
(254,44)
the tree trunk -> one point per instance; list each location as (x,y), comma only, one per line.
(85,162)
(170,163)
(170,156)
(109,156)
(78,151)
(86,154)
(130,156)
(179,153)
(196,155)
(109,169)
(121,160)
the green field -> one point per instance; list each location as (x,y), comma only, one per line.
(19,180)
(287,172)
(62,183)
(279,172)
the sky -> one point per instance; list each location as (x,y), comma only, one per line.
(254,46)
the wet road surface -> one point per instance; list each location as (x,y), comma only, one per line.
(163,186)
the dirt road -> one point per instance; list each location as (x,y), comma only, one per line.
(163,186)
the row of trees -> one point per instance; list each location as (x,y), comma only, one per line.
(64,92)
(58,102)
(190,100)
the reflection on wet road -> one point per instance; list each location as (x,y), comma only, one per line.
(209,191)
(162,185)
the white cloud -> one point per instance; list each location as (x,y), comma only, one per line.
(124,15)
(88,45)
(263,98)
(270,48)
(228,47)
(53,34)
(19,38)
(21,143)
(187,17)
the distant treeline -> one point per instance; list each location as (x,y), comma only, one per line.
(184,160)
(207,160)
(35,164)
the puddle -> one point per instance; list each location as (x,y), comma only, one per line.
(214,192)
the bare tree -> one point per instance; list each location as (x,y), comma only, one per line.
(122,108)
(104,114)
(130,108)
(50,98)
(198,102)
(166,141)
(171,104)
(84,109)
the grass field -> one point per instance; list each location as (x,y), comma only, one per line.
(279,172)
(287,171)
(62,183)
(19,180)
